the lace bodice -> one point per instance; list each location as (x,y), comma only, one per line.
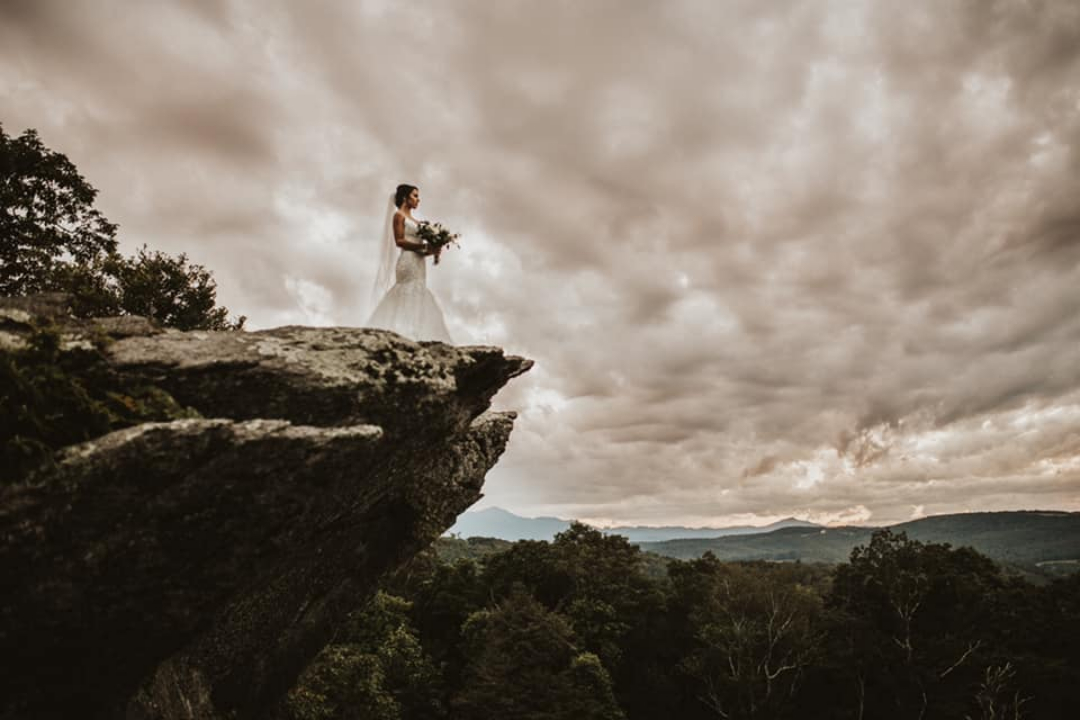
(411,226)
(411,266)
(409,308)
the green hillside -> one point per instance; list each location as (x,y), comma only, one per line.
(1017,538)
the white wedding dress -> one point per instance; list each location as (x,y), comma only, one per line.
(409,308)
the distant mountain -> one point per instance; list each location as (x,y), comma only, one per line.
(1027,538)
(639,534)
(498,523)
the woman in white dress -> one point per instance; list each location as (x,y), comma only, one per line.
(408,307)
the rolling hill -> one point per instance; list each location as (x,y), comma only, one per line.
(1026,538)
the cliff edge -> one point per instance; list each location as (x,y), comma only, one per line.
(192,568)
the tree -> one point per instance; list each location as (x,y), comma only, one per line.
(525,665)
(52,239)
(47,219)
(1036,628)
(918,624)
(597,583)
(376,669)
(170,291)
(443,597)
(996,699)
(754,630)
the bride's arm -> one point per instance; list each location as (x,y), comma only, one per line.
(399,237)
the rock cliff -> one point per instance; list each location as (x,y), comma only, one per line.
(191,569)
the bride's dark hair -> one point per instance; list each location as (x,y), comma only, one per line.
(402,193)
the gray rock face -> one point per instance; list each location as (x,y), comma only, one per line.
(191,569)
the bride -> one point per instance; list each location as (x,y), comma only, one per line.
(408,307)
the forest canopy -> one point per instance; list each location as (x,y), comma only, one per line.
(583,627)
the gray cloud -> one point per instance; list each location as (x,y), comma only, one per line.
(813,258)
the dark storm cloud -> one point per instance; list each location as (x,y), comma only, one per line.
(772,258)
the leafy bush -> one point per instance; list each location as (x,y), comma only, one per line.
(54,396)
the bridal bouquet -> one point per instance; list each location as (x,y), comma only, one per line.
(436,235)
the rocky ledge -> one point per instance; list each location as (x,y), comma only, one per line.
(191,569)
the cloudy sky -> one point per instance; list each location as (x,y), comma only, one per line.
(802,258)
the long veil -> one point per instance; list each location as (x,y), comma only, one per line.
(384,277)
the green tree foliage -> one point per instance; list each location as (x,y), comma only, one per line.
(917,622)
(47,219)
(444,595)
(43,406)
(171,291)
(754,630)
(53,239)
(345,682)
(996,698)
(525,665)
(575,628)
(531,563)
(375,670)
(451,549)
(52,397)
(595,580)
(1036,633)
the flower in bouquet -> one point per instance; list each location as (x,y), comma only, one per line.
(436,235)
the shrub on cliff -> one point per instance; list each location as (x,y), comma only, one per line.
(53,397)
